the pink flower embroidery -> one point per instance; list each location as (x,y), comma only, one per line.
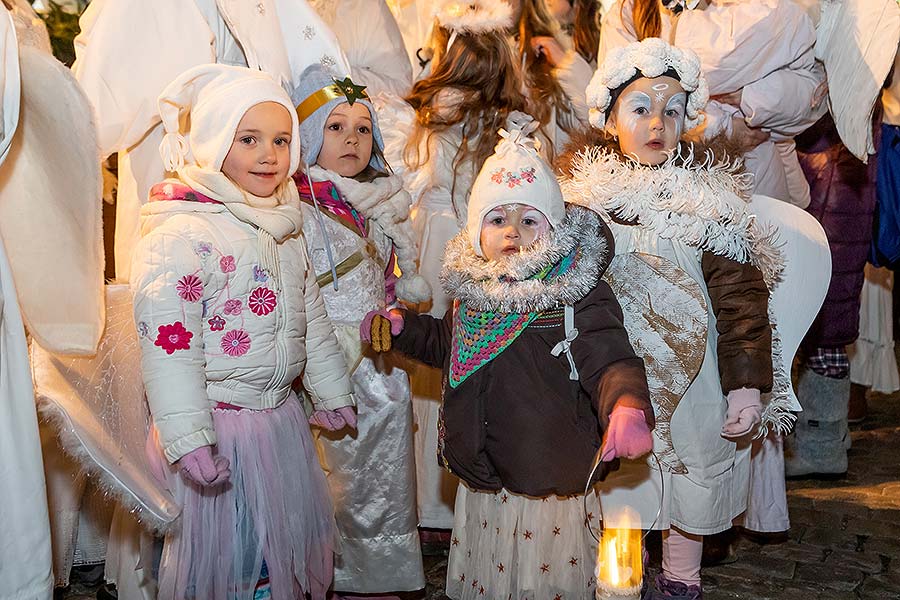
(173,337)
(262,301)
(235,342)
(528,174)
(189,288)
(497,176)
(226,263)
(217,323)
(233,307)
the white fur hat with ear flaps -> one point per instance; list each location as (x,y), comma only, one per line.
(514,174)
(217,98)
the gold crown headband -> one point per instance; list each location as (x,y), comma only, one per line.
(339,89)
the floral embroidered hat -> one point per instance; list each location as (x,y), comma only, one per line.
(514,174)
(649,58)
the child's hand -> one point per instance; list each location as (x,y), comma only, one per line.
(549,48)
(333,420)
(378,326)
(628,434)
(744,413)
(200,467)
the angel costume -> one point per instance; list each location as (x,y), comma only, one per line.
(693,211)
(40,212)
(370,473)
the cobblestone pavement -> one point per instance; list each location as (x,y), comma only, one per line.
(844,542)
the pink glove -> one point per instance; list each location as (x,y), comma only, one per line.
(365,328)
(201,467)
(333,420)
(744,413)
(628,435)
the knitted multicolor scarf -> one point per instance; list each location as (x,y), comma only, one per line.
(480,336)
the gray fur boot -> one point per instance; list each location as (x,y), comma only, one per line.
(821,437)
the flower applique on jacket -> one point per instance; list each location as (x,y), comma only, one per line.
(225,312)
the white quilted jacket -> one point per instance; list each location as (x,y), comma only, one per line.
(213,328)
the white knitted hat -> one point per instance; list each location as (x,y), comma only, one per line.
(217,98)
(514,174)
(650,58)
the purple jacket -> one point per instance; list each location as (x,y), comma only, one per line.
(843,200)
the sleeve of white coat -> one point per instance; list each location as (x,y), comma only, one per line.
(325,376)
(786,102)
(171,330)
(373,45)
(614,33)
(128,51)
(574,74)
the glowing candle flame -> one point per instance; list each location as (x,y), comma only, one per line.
(620,560)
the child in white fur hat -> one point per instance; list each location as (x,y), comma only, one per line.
(356,227)
(537,369)
(229,315)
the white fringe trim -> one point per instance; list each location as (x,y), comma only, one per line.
(108,483)
(702,203)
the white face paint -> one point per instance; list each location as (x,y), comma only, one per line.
(632,107)
(675,109)
(648,118)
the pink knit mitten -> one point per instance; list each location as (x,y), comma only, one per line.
(200,467)
(333,420)
(744,413)
(628,435)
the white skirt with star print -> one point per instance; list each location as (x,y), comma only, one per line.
(507,546)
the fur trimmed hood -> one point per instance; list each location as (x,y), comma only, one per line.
(504,286)
(699,196)
(386,204)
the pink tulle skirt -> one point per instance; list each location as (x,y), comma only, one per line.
(275,507)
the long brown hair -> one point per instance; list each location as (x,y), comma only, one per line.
(481,70)
(545,91)
(647,18)
(586,28)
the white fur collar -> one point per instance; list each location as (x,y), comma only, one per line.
(702,203)
(503,285)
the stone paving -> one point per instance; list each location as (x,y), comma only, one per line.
(844,542)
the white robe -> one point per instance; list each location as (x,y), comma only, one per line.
(371,39)
(25,557)
(162,39)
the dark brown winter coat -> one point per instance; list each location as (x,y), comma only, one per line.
(519,422)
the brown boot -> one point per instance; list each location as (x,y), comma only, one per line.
(858,408)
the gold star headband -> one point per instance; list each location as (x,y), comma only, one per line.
(339,89)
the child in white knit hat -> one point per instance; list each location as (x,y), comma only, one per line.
(357,232)
(229,315)
(537,369)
